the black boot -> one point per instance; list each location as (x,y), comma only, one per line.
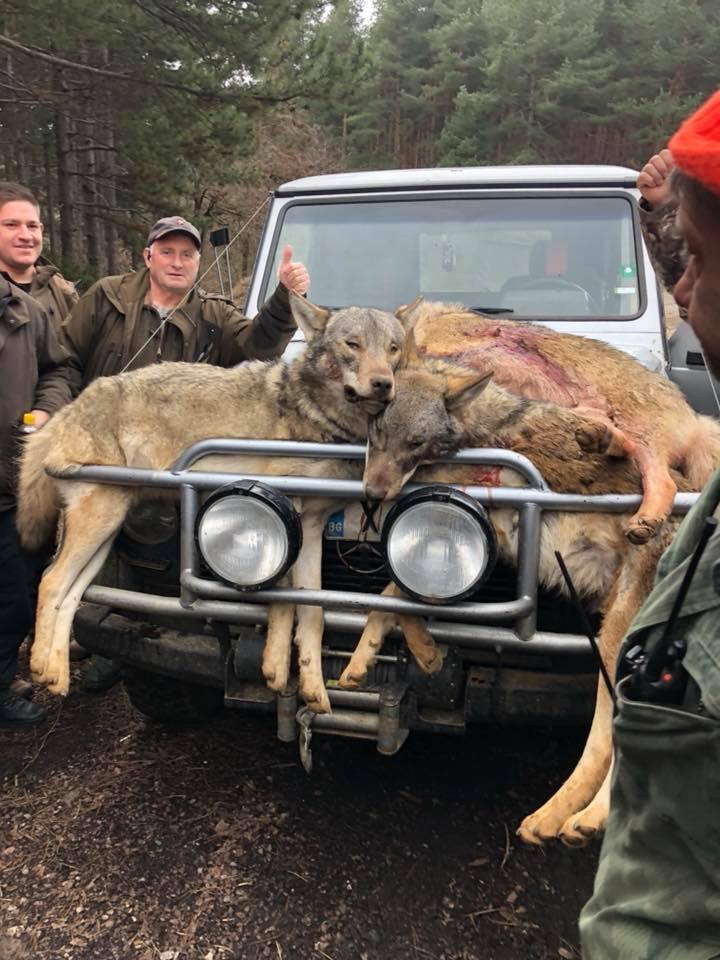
(16,712)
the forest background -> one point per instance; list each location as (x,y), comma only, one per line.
(116,112)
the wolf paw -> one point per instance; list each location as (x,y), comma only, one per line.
(579,830)
(57,674)
(640,529)
(276,676)
(352,677)
(430,662)
(316,698)
(593,437)
(536,832)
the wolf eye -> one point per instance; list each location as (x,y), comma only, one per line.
(417,442)
(394,348)
(353,344)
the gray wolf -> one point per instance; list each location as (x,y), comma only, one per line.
(147,417)
(534,362)
(441,407)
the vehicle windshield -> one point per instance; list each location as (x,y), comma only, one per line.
(534,257)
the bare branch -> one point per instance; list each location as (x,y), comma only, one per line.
(221,96)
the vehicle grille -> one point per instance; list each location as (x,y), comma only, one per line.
(348,565)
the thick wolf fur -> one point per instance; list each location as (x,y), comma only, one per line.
(535,362)
(440,408)
(148,417)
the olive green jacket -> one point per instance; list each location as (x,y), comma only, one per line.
(36,372)
(53,292)
(112,328)
(657,890)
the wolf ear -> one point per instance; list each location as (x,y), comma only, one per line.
(410,355)
(310,319)
(463,389)
(409,313)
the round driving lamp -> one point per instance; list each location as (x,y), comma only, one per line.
(248,534)
(439,544)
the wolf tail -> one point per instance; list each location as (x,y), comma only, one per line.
(38,501)
(702,455)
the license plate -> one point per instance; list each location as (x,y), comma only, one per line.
(351,524)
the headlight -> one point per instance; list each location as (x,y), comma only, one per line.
(248,534)
(439,544)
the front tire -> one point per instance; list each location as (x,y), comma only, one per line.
(170,701)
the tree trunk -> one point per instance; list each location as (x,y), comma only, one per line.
(66,167)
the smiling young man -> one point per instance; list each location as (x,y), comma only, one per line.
(156,314)
(657,889)
(21,263)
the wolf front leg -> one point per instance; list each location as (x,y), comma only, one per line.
(377,627)
(306,573)
(417,637)
(278,643)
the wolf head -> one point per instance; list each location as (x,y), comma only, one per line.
(421,425)
(354,351)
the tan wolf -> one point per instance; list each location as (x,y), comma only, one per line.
(535,362)
(148,417)
(441,407)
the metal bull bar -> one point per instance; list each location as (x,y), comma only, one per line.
(509,625)
(513,622)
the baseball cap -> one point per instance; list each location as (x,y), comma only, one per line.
(173,225)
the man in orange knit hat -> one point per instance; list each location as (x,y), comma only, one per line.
(657,889)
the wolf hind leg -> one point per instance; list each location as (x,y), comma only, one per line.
(582,785)
(582,799)
(89,520)
(582,826)
(57,669)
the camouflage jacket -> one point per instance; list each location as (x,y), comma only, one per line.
(664,242)
(657,889)
(112,328)
(53,292)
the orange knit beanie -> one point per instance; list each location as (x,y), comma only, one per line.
(696,145)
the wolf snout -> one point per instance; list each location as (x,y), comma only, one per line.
(381,387)
(379,390)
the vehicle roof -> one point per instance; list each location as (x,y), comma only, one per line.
(580,175)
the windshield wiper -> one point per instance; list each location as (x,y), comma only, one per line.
(491,310)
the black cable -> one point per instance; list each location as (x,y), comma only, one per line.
(586,624)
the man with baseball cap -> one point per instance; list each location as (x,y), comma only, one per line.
(157,314)
(657,889)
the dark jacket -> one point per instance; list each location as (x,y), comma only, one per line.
(110,326)
(36,372)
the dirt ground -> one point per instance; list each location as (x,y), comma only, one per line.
(121,839)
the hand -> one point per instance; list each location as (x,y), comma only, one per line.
(653,180)
(41,418)
(292,275)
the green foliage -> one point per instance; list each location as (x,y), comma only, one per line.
(192,107)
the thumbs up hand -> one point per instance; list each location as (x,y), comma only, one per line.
(292,274)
